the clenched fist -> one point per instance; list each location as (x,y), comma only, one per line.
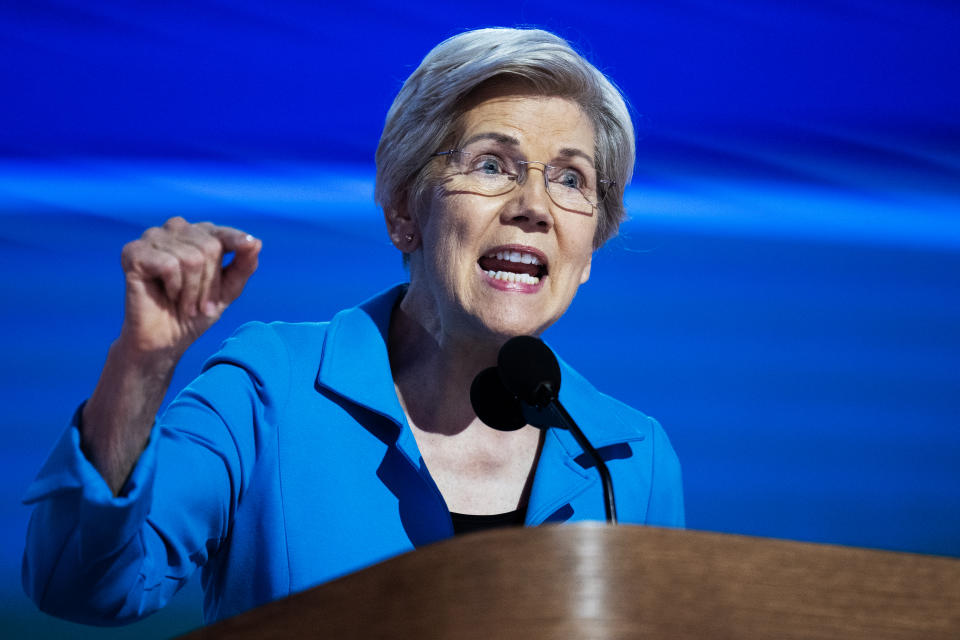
(177,286)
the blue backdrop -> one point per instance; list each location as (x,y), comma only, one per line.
(784,298)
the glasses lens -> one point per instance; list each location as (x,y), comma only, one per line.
(570,188)
(570,198)
(481,173)
(493,174)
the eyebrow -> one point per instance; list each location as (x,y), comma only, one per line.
(497,137)
(566,152)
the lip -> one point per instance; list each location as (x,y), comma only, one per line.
(516,287)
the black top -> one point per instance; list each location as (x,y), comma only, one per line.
(467,523)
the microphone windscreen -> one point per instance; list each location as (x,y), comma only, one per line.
(529,370)
(493,404)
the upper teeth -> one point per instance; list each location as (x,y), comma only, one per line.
(517,256)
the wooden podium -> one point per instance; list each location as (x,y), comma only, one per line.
(596,581)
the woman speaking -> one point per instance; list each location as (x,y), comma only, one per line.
(306,451)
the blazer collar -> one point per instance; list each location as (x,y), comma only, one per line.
(355,364)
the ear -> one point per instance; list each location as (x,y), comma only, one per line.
(401,227)
(585,272)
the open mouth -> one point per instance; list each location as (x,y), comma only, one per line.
(515,265)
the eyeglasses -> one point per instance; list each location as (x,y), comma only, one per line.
(495,174)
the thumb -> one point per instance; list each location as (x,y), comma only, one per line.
(233,277)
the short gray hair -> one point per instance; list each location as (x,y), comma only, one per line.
(425,113)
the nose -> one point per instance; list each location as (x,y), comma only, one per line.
(530,206)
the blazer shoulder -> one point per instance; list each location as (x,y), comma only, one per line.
(267,338)
(634,419)
(272,351)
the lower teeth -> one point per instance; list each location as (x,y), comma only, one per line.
(508,276)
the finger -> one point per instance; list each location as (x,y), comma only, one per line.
(232,239)
(141,260)
(191,261)
(166,240)
(175,224)
(212,250)
(233,278)
(210,305)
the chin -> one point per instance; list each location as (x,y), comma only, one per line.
(510,322)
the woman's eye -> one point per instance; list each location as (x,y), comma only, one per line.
(570,179)
(488,164)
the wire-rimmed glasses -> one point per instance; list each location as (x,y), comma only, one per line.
(495,174)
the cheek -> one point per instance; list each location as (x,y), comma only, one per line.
(581,243)
(456,222)
(448,235)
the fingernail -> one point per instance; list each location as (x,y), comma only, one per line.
(249,238)
(209,309)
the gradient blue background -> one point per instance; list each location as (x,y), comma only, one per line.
(784,298)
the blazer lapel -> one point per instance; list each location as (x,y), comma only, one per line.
(563,474)
(356,364)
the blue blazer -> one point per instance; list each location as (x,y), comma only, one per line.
(289,462)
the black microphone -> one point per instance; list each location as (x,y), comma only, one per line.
(528,390)
(494,405)
(501,410)
(529,371)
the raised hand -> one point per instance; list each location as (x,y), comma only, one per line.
(177,287)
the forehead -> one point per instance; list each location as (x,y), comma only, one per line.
(542,124)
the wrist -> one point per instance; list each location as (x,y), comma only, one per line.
(144,360)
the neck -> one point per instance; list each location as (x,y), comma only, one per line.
(433,370)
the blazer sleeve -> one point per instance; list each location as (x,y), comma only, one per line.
(666,486)
(98,559)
